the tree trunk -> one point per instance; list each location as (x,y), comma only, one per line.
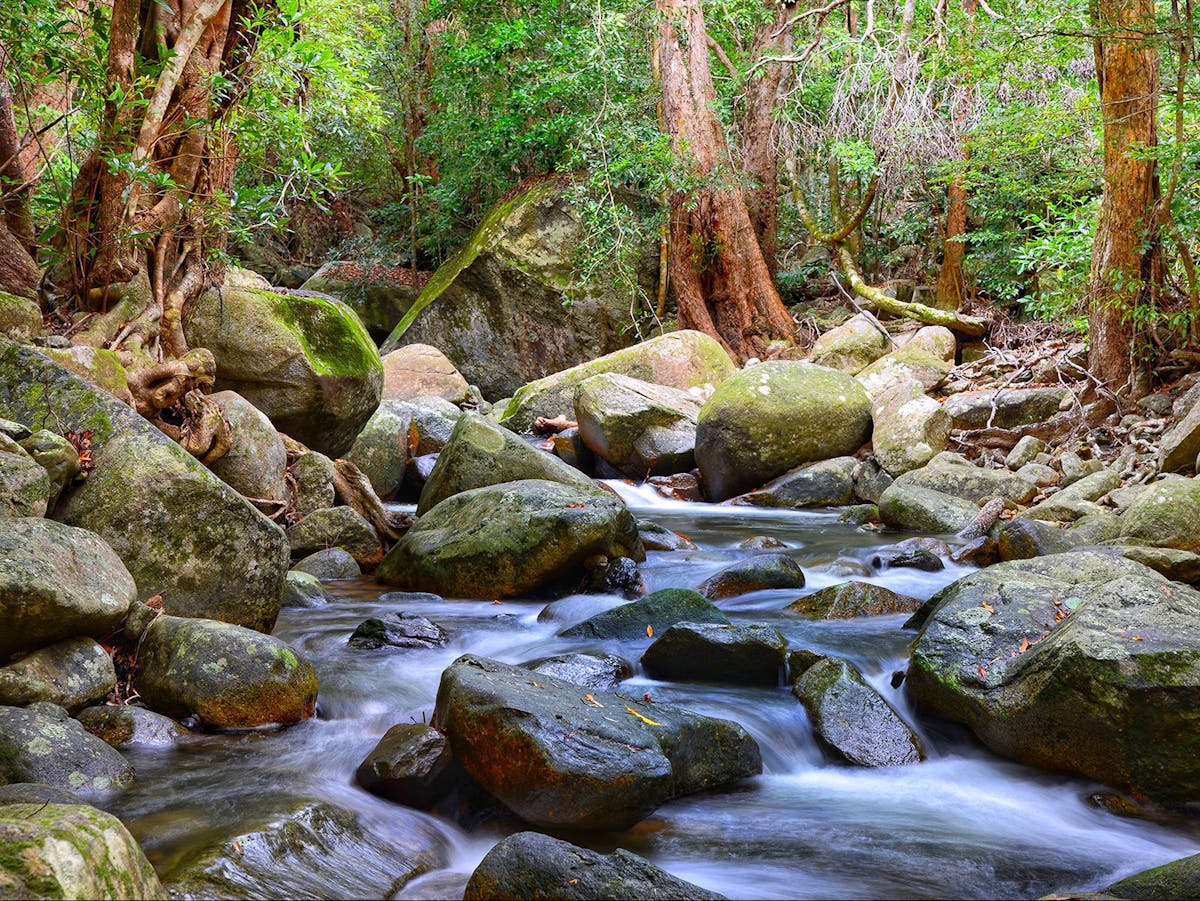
(1125,266)
(760,131)
(18,273)
(14,180)
(722,283)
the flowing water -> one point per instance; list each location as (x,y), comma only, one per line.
(963,824)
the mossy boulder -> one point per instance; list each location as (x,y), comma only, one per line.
(98,366)
(1022,538)
(126,726)
(24,486)
(1167,514)
(1083,662)
(911,428)
(535,866)
(847,600)
(480,453)
(905,506)
(312,483)
(194,540)
(329,565)
(758,573)
(336,527)
(71,851)
(304,361)
(955,475)
(379,295)
(255,463)
(419,370)
(57,582)
(773,417)
(1005,408)
(683,359)
(302,589)
(558,762)
(851,346)
(41,743)
(398,431)
(740,653)
(71,674)
(908,364)
(827,483)
(57,456)
(510,539)
(640,428)
(852,718)
(512,306)
(20,317)
(1178,880)
(226,676)
(648,616)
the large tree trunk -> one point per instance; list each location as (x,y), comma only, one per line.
(722,283)
(15,182)
(1125,267)
(760,130)
(18,273)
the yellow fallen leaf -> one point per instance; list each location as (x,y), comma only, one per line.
(988,607)
(649,631)
(643,718)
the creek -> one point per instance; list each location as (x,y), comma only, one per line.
(963,824)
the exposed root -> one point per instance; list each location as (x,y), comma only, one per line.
(199,425)
(158,386)
(354,490)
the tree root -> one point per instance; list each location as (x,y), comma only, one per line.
(159,386)
(354,490)
(202,429)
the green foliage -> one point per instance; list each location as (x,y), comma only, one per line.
(1057,253)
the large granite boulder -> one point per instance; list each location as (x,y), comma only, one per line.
(1167,514)
(379,295)
(57,456)
(1005,408)
(1083,662)
(24,485)
(536,867)
(71,851)
(906,506)
(57,582)
(510,539)
(911,428)
(600,762)
(648,616)
(255,463)
(684,359)
(640,428)
(955,475)
(1178,880)
(847,600)
(851,346)
(908,364)
(397,432)
(72,674)
(41,743)
(225,676)
(418,370)
(512,306)
(20,317)
(773,417)
(194,540)
(480,453)
(304,360)
(827,483)
(744,653)
(332,527)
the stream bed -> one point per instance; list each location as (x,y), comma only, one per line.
(963,824)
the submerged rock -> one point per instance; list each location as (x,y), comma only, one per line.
(404,630)
(533,866)
(54,850)
(41,743)
(750,653)
(509,539)
(598,763)
(760,572)
(650,615)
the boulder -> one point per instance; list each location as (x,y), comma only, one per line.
(640,428)
(100,368)
(36,793)
(1083,662)
(914,553)
(569,447)
(598,672)
(304,361)
(935,340)
(57,456)
(907,506)
(309,849)
(851,346)
(71,674)
(302,589)
(57,582)
(660,538)
(1022,538)
(379,295)
(480,453)
(418,370)
(827,483)
(847,600)
(533,866)
(773,417)
(743,653)
(758,573)
(1025,451)
(189,524)
(648,616)
(870,481)
(225,676)
(125,726)
(1101,528)
(682,486)
(957,476)
(401,630)
(24,486)
(683,360)
(20,317)
(509,539)
(1180,443)
(911,428)
(1013,407)
(904,365)
(397,431)
(41,743)
(71,851)
(603,764)
(1040,474)
(412,765)
(1167,514)
(1178,566)
(330,565)
(336,527)
(852,718)
(510,306)
(1077,499)
(255,463)
(312,483)
(1178,880)
(614,575)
